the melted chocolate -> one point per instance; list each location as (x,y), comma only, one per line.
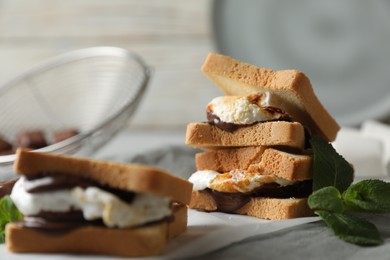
(231,127)
(6,187)
(229,202)
(57,226)
(4,145)
(57,221)
(61,222)
(60,181)
(34,139)
(55,182)
(71,215)
(215,120)
(300,189)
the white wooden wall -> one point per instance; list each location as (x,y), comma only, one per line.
(173,37)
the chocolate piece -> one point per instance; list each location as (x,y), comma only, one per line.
(215,120)
(63,134)
(7,152)
(62,222)
(231,127)
(6,187)
(55,182)
(4,145)
(229,202)
(31,139)
(56,225)
(51,182)
(71,215)
(300,189)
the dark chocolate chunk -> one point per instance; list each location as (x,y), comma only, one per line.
(57,181)
(7,152)
(31,139)
(71,215)
(6,187)
(215,120)
(56,225)
(229,202)
(4,145)
(300,189)
(231,127)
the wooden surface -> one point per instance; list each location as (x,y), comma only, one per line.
(172,36)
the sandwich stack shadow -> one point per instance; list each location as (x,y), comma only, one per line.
(257,160)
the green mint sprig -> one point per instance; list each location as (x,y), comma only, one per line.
(330,168)
(334,199)
(8,213)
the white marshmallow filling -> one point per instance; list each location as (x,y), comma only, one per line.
(94,203)
(246,110)
(233,181)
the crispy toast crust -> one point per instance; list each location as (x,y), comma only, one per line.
(292,87)
(265,208)
(258,159)
(141,241)
(131,177)
(278,133)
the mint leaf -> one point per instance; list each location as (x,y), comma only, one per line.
(368,196)
(8,213)
(329,168)
(328,198)
(352,229)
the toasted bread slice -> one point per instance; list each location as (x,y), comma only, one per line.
(130,177)
(225,160)
(146,240)
(291,89)
(257,159)
(278,133)
(265,208)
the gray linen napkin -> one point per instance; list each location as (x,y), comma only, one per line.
(179,160)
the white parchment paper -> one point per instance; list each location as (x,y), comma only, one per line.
(206,232)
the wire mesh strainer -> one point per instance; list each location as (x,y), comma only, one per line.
(93,90)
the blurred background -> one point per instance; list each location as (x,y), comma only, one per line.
(341,46)
(173,37)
